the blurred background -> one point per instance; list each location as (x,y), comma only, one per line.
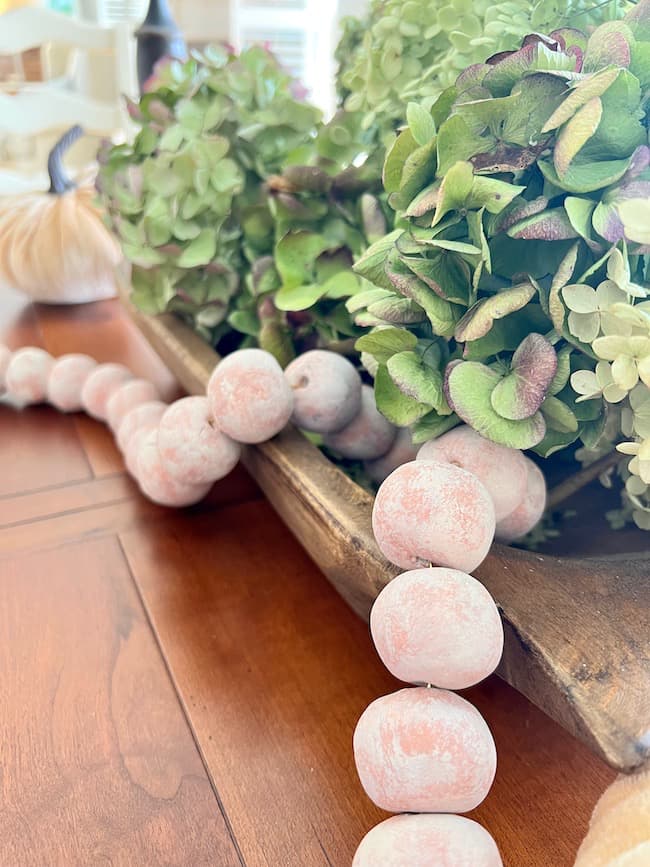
(302,33)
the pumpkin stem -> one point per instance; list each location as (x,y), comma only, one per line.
(59,181)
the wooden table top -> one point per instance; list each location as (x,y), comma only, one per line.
(181,688)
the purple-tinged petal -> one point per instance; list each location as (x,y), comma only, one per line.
(520,394)
(607,223)
(470,386)
(639,163)
(553,225)
(520,211)
(572,42)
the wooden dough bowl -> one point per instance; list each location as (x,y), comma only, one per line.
(577,628)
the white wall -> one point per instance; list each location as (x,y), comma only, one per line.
(210,20)
(352,7)
(202,20)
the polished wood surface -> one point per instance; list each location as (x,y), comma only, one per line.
(98,761)
(577,632)
(181,687)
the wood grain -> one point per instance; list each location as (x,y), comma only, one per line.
(583,626)
(274,671)
(543,794)
(577,632)
(97,331)
(26,464)
(106,518)
(98,765)
(272,682)
(99,445)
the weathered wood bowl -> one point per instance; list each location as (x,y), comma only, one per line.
(577,628)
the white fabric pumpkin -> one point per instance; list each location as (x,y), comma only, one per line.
(54,246)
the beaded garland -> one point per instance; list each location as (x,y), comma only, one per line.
(423,750)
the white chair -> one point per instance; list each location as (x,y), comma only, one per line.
(40,110)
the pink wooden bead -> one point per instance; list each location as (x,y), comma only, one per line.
(401,452)
(428,840)
(133,447)
(27,373)
(530,509)
(192,448)
(502,470)
(326,391)
(250,399)
(368,436)
(66,381)
(424,750)
(129,395)
(429,512)
(437,626)
(99,387)
(5,358)
(156,484)
(145,415)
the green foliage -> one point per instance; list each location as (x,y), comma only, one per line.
(240,211)
(185,199)
(228,166)
(322,217)
(520,265)
(325,215)
(352,30)
(414,50)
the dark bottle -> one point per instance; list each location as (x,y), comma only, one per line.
(158,36)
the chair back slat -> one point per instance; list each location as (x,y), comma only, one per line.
(100,68)
(31,27)
(35,111)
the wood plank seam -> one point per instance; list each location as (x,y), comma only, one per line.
(58,486)
(66,536)
(322,848)
(95,492)
(103,768)
(181,703)
(91,475)
(40,518)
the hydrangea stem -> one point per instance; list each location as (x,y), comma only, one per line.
(577,481)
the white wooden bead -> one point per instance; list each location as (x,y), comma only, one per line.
(67,379)
(27,374)
(428,840)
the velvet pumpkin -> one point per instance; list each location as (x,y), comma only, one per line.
(619,830)
(54,246)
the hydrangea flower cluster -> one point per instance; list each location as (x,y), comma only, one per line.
(512,296)
(230,165)
(414,50)
(618,331)
(184,199)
